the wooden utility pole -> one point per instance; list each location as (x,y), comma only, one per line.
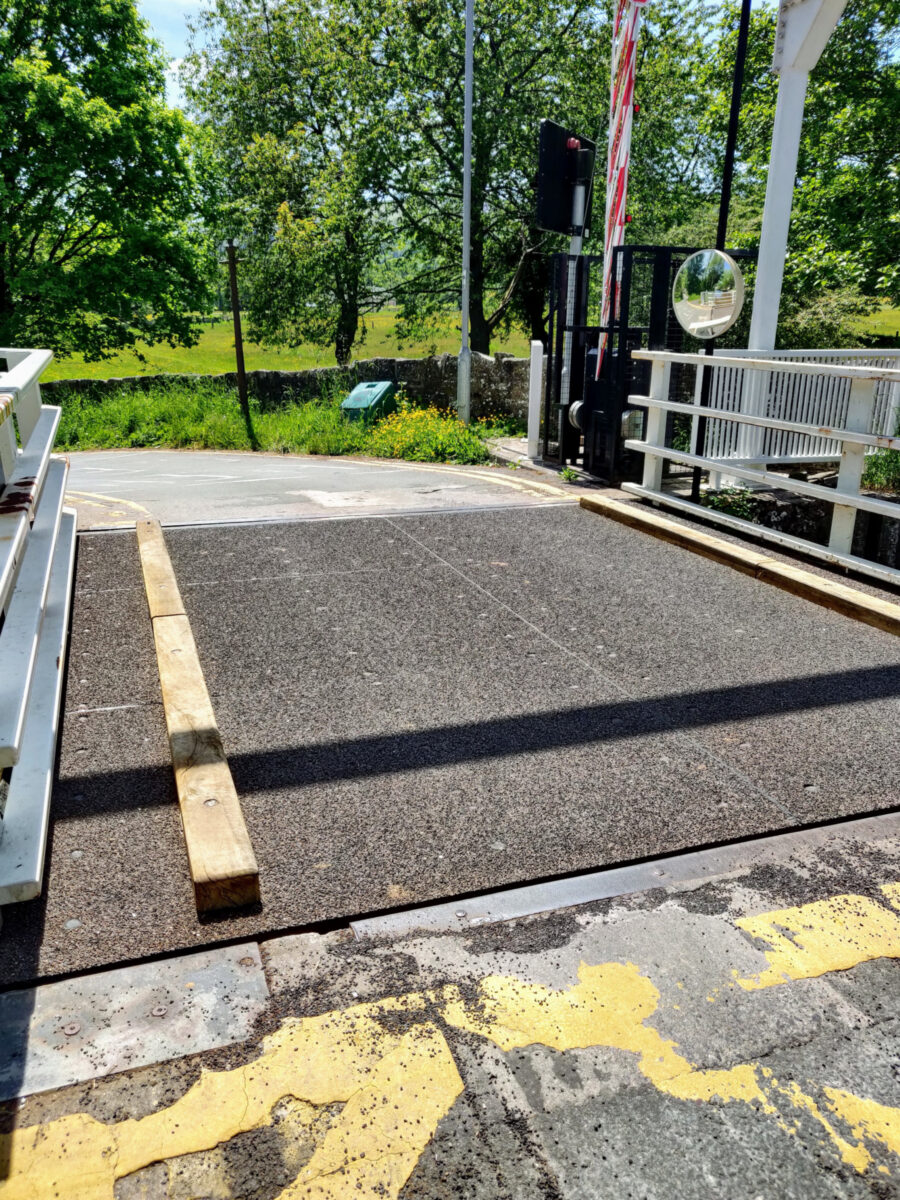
(238,336)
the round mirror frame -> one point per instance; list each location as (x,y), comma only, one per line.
(723,308)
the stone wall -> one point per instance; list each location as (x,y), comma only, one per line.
(499,383)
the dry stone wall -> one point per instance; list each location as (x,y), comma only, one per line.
(499,383)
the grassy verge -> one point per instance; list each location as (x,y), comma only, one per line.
(206,416)
(214,353)
(884,322)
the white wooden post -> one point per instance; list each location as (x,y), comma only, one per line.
(804,27)
(7,440)
(535,392)
(656,424)
(859,420)
(892,417)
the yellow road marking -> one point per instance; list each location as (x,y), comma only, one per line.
(389,1064)
(111,500)
(827,935)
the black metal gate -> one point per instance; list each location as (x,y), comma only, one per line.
(643,318)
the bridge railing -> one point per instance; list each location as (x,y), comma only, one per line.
(37,547)
(811,399)
(847,442)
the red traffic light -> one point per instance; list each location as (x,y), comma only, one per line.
(628,218)
(573,144)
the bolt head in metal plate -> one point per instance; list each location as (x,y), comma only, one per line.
(71,1028)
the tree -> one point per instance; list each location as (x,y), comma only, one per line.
(549,60)
(98,248)
(285,98)
(844,245)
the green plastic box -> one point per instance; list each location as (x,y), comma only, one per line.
(369,402)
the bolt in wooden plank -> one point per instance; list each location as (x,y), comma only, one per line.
(222,863)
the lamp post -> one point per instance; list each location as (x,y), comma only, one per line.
(464,366)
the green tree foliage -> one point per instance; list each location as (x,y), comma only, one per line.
(844,246)
(292,120)
(97,246)
(531,61)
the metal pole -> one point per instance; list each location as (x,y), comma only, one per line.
(464,367)
(238,337)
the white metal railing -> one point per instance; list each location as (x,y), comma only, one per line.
(846,442)
(37,546)
(784,395)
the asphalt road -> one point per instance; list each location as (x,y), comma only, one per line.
(110,488)
(419,707)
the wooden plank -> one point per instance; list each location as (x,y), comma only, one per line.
(872,610)
(163,596)
(730,466)
(220,855)
(817,431)
(13,530)
(22,491)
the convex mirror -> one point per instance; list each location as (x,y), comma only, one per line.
(708,293)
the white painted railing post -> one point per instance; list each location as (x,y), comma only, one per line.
(535,391)
(656,424)
(858,420)
(892,416)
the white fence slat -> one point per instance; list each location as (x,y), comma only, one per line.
(18,643)
(656,423)
(859,419)
(8,447)
(27,815)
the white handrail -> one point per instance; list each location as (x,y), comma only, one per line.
(25,368)
(782,366)
(851,438)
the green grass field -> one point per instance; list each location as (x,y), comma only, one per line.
(885,322)
(214,353)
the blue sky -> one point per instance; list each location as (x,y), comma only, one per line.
(168,21)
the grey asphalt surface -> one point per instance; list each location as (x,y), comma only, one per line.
(110,488)
(569,1112)
(421,706)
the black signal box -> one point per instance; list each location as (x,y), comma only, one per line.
(561,164)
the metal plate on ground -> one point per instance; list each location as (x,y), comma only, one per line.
(697,866)
(79,1029)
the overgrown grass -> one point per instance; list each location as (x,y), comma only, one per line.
(206,416)
(882,472)
(214,353)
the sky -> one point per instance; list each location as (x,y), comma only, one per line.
(168,21)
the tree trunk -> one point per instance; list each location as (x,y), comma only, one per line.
(348,290)
(345,336)
(479,329)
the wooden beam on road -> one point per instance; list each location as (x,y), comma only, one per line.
(222,863)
